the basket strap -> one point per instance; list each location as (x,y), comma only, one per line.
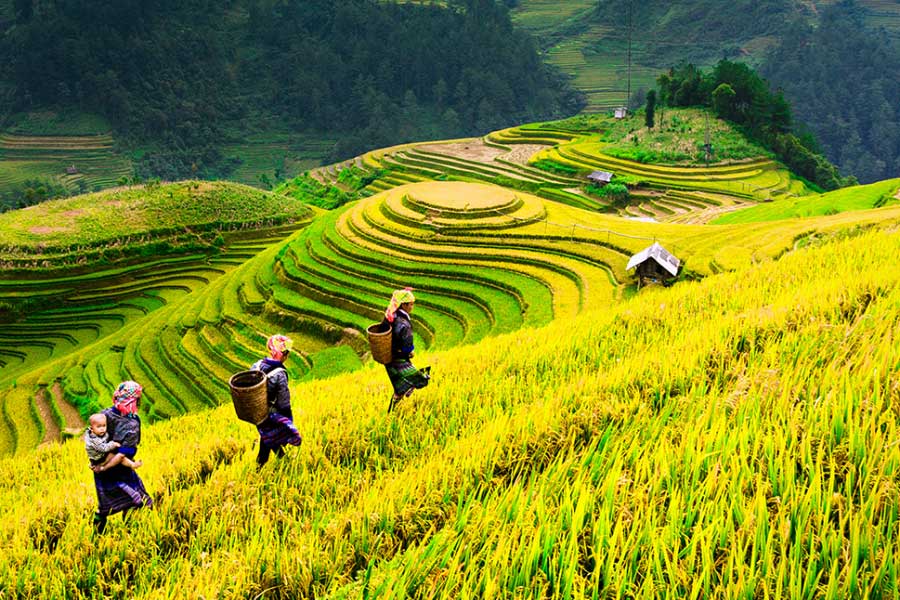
(273,371)
(269,400)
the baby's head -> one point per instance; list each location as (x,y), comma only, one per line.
(98,424)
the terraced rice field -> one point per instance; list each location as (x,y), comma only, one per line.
(102,327)
(288,154)
(490,242)
(680,192)
(545,17)
(603,77)
(883,14)
(484,260)
(171,323)
(686,194)
(97,164)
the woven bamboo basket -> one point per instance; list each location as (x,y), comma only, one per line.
(380,343)
(248,392)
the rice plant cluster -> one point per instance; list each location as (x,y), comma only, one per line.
(734,437)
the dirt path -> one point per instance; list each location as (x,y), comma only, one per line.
(51,429)
(70,414)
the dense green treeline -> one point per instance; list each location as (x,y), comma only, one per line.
(844,82)
(185,77)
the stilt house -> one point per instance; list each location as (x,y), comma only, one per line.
(654,264)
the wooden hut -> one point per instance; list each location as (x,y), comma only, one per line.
(620,113)
(654,264)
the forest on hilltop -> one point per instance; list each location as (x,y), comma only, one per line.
(185,76)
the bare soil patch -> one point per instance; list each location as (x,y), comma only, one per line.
(472,150)
(520,153)
(897,195)
(74,213)
(477,150)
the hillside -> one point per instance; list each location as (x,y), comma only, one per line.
(192,88)
(722,438)
(835,61)
(124,221)
(488,231)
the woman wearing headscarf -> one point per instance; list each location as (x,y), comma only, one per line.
(405,378)
(120,489)
(278,429)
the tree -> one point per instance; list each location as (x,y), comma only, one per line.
(651,108)
(723,101)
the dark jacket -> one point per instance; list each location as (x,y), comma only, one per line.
(125,429)
(277,391)
(402,336)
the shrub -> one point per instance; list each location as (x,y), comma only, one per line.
(614,192)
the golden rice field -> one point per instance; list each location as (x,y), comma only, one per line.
(734,437)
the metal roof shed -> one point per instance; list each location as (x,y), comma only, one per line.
(600,177)
(654,262)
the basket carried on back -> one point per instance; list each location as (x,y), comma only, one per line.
(248,392)
(380,343)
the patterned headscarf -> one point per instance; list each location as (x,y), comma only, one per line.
(126,397)
(400,297)
(279,343)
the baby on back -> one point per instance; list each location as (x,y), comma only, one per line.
(100,449)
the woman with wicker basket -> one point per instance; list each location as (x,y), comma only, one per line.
(277,430)
(405,378)
(119,488)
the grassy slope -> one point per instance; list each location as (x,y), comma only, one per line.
(103,217)
(543,18)
(677,137)
(847,199)
(723,438)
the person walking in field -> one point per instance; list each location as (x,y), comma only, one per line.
(119,488)
(277,430)
(405,378)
